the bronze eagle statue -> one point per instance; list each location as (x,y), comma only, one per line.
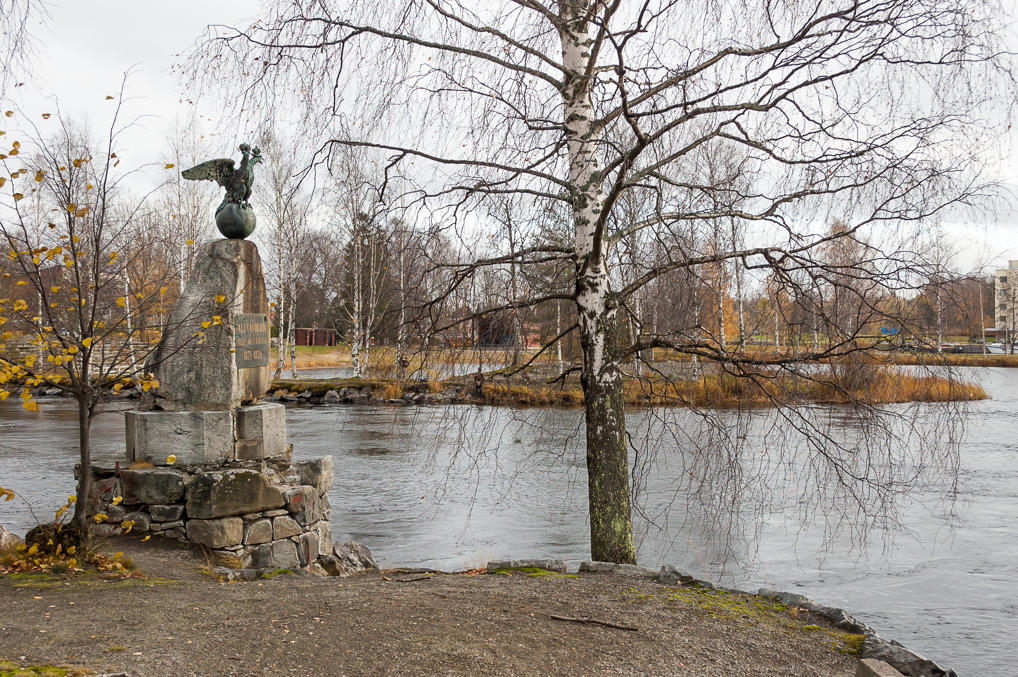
(236,181)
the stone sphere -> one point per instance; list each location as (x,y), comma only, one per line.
(235,221)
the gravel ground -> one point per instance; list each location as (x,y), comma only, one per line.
(397,623)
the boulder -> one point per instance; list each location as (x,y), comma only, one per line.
(324,530)
(152,485)
(216,533)
(900,658)
(331,397)
(284,527)
(115,513)
(869,667)
(615,568)
(352,556)
(671,575)
(165,526)
(8,539)
(284,555)
(305,505)
(141,520)
(558,565)
(166,513)
(260,557)
(318,473)
(259,531)
(105,489)
(231,492)
(307,548)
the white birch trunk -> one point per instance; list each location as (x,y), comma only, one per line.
(355,314)
(611,526)
(130,324)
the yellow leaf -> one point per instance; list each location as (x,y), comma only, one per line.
(8,494)
(220,298)
(30,405)
(169,166)
(72,549)
(71,206)
(18,196)
(9,113)
(3,180)
(146,538)
(100,517)
(81,212)
(108,97)
(87,342)
(171,459)
(117,500)
(34,549)
(189,242)
(121,301)
(205,324)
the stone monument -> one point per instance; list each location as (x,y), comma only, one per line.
(207,461)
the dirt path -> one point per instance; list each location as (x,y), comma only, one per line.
(406,625)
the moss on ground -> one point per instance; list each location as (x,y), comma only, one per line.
(753,608)
(10,668)
(532,572)
(41,580)
(275,572)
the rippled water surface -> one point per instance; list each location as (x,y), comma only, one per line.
(453,487)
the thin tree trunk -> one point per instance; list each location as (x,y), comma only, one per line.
(401,328)
(130,323)
(355,341)
(940,322)
(982,322)
(82,509)
(558,330)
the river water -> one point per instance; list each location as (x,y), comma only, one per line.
(736,498)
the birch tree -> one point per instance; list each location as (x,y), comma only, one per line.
(578,102)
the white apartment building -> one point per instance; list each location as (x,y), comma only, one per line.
(1005,299)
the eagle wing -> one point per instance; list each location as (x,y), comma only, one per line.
(211,170)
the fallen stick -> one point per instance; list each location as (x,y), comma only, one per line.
(594,621)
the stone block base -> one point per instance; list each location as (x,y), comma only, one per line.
(207,438)
(189,437)
(262,518)
(261,431)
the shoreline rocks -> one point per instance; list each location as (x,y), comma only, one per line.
(878,657)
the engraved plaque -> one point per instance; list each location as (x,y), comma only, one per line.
(252,340)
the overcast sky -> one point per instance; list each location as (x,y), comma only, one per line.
(86,46)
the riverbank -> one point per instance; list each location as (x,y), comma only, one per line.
(177,620)
(883,385)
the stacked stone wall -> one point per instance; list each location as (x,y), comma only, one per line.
(271,516)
